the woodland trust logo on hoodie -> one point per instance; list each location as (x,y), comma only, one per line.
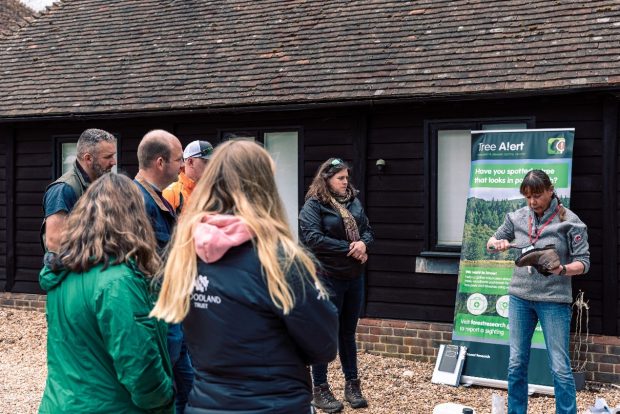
(200,298)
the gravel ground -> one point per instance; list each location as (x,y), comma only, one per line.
(391,385)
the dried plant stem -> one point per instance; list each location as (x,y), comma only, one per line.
(581,343)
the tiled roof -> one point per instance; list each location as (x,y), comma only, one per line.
(13,15)
(98,56)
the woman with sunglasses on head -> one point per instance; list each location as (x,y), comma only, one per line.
(254,313)
(335,228)
(539,293)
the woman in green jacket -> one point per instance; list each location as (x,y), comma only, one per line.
(104,353)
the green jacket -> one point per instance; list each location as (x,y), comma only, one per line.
(104,354)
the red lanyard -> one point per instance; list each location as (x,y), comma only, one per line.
(539,231)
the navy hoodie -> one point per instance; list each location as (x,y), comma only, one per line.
(249,357)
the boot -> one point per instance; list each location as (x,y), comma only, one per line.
(323,398)
(353,394)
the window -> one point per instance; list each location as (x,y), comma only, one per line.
(449,152)
(283,146)
(65,154)
(249,135)
(453,160)
(68,154)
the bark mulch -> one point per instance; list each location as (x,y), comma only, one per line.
(390,385)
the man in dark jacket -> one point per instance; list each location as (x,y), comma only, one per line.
(160,157)
(96,155)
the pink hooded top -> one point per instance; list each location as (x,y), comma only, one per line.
(216,233)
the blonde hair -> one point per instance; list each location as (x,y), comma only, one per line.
(109,225)
(238,180)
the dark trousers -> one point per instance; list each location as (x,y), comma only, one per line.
(348,296)
(181,366)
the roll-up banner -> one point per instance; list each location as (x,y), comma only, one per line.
(499,161)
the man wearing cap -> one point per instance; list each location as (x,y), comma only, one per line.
(96,155)
(195,155)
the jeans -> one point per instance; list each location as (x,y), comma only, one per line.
(555,322)
(348,297)
(181,366)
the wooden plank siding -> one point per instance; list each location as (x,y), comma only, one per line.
(610,240)
(396,211)
(5,136)
(395,199)
(33,172)
(617,233)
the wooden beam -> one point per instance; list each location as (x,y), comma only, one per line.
(10,211)
(610,210)
(360,151)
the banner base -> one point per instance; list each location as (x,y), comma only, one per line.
(493,383)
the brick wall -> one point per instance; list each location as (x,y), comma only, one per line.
(403,339)
(22,301)
(420,341)
(603,359)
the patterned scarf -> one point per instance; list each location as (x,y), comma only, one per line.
(350,226)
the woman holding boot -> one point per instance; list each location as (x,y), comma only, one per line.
(335,228)
(543,295)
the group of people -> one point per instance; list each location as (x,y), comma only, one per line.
(183,290)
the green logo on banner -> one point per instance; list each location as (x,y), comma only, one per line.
(556,145)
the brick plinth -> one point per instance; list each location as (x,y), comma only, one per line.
(22,301)
(420,341)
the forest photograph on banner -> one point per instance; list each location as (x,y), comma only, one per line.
(499,162)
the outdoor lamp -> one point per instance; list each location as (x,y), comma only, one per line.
(380,164)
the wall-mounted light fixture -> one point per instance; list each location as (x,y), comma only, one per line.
(380,164)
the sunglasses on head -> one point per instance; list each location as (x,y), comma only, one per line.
(336,162)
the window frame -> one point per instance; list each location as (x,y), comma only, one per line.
(431,140)
(260,134)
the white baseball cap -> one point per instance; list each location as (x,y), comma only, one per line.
(198,149)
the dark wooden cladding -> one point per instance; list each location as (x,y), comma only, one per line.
(610,239)
(11,204)
(6,136)
(397,199)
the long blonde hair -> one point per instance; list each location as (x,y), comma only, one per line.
(109,225)
(238,180)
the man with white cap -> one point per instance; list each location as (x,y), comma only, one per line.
(196,156)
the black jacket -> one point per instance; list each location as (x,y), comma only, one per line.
(322,231)
(248,356)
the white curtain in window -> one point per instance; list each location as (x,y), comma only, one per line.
(453,169)
(69,152)
(283,148)
(453,164)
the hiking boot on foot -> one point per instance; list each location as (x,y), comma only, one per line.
(323,398)
(353,394)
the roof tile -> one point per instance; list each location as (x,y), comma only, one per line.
(98,56)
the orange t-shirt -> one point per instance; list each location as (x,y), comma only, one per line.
(177,193)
